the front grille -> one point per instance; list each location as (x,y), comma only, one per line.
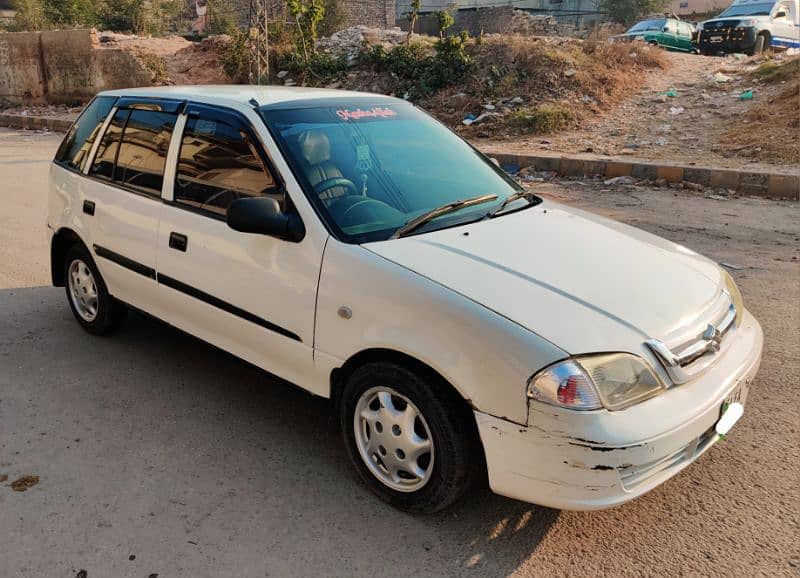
(632,476)
(692,349)
(720,34)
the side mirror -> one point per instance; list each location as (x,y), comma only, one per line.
(263,216)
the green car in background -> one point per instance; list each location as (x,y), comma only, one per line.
(669,33)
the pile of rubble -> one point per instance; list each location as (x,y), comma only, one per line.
(348,42)
(528,24)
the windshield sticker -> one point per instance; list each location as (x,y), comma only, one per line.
(359,113)
(364,158)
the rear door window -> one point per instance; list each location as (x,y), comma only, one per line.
(133,150)
(74,150)
(219,163)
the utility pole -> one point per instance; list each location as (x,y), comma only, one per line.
(258,31)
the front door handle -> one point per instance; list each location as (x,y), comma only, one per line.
(178,241)
(88,207)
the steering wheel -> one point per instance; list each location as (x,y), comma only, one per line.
(215,196)
(323,186)
(367,201)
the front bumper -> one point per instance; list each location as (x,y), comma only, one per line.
(595,460)
(726,40)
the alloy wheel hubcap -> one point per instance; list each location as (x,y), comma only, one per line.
(83,290)
(393,439)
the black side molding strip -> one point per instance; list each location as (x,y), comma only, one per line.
(191,291)
(225,306)
(123,261)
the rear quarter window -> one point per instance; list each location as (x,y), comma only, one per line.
(133,150)
(74,150)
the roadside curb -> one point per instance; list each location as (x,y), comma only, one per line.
(771,185)
(35,122)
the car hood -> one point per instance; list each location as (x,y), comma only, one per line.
(581,281)
(711,24)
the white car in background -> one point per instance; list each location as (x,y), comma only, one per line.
(461,325)
(751,26)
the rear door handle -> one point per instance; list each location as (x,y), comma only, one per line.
(178,241)
(88,207)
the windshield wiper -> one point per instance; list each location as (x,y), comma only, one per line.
(417,222)
(532,198)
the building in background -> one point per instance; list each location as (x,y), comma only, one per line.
(374,13)
(688,8)
(491,15)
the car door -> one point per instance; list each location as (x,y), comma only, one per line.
(250,294)
(122,196)
(684,38)
(669,35)
(784,32)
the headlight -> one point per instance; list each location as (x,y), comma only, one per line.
(611,380)
(736,296)
(699,27)
(745,23)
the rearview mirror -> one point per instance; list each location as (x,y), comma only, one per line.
(263,216)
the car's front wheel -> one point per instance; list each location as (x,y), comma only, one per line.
(94,308)
(410,437)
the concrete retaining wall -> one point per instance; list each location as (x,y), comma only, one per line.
(63,67)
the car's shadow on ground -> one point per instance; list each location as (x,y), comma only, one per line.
(199,447)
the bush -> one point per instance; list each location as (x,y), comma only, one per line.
(320,68)
(419,72)
(542,119)
(236,58)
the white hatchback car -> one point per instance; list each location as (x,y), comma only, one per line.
(461,325)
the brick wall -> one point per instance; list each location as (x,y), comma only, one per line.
(377,13)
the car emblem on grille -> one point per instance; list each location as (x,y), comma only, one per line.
(713,336)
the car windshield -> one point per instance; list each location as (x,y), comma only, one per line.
(762,9)
(645,25)
(371,167)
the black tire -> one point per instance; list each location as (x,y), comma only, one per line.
(457,456)
(762,43)
(109,312)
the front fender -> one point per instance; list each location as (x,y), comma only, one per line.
(485,356)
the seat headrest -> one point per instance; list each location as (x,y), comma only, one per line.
(315,147)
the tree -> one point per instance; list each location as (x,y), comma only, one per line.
(412,17)
(445,21)
(308,14)
(628,11)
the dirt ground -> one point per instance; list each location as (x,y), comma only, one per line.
(694,126)
(158,454)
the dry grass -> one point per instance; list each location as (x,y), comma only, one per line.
(774,72)
(583,78)
(773,122)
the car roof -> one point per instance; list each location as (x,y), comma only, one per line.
(242,94)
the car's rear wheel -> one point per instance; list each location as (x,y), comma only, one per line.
(94,308)
(409,436)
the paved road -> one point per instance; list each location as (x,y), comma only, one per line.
(159,454)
